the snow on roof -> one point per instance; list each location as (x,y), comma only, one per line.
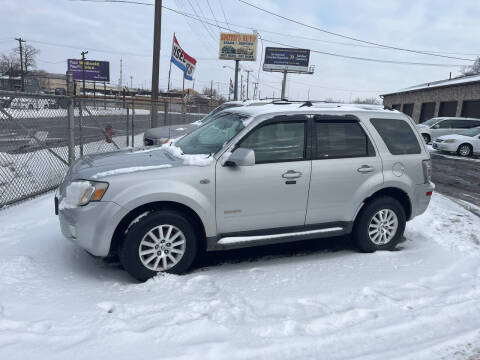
(441,83)
(300,107)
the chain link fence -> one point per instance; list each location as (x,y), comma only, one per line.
(40,135)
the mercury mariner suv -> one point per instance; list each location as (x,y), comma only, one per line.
(251,176)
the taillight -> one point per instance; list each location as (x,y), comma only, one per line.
(427,171)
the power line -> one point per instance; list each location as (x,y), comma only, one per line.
(349,37)
(203,23)
(223,11)
(211,10)
(372,46)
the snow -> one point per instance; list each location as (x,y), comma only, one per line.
(74,193)
(421,302)
(188,159)
(129,170)
(440,83)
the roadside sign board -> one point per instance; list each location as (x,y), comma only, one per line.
(234,46)
(286,59)
(94,70)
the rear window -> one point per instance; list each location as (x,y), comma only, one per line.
(397,135)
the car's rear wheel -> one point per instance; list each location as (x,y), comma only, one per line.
(163,241)
(464,150)
(426,138)
(380,225)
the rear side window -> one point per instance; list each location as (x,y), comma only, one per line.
(397,135)
(341,139)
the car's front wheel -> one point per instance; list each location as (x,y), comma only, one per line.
(464,150)
(380,225)
(162,241)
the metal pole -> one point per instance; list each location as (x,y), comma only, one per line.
(80,131)
(83,70)
(94,94)
(248,79)
(235,90)
(157,28)
(70,120)
(170,70)
(284,84)
(104,95)
(133,121)
(128,125)
(241,87)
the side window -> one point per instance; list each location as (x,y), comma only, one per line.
(475,123)
(466,124)
(445,124)
(277,142)
(397,135)
(341,139)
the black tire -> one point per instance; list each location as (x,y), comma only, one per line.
(129,250)
(361,228)
(426,138)
(465,150)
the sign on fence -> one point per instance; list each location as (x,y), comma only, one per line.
(286,59)
(234,46)
(184,61)
(94,70)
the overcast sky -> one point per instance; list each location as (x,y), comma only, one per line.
(112,31)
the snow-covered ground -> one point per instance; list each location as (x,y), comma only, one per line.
(421,302)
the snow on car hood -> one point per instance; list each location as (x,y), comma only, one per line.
(123,161)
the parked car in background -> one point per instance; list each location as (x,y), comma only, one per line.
(161,135)
(29,103)
(249,177)
(465,143)
(435,127)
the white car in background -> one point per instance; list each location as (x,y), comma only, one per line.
(467,143)
(29,103)
(435,127)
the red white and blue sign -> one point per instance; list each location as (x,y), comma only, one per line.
(185,62)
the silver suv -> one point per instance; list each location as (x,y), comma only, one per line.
(251,176)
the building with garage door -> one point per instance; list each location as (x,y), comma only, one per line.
(452,97)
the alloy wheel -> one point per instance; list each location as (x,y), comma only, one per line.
(383,227)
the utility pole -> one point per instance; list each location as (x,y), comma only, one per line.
(131,82)
(241,87)
(284,84)
(83,70)
(20,40)
(248,78)
(157,28)
(235,89)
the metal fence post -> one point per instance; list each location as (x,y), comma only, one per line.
(80,131)
(133,122)
(70,119)
(128,125)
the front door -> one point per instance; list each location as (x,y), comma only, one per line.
(272,193)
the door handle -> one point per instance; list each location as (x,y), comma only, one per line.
(364,169)
(291,174)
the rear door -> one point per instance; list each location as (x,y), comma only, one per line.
(345,168)
(272,193)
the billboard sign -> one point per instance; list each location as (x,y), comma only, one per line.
(94,70)
(185,62)
(234,46)
(286,59)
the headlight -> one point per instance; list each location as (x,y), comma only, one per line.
(81,192)
(450,141)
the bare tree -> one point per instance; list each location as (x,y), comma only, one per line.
(29,56)
(209,92)
(472,69)
(9,63)
(371,101)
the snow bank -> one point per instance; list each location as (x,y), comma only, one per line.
(308,301)
(129,170)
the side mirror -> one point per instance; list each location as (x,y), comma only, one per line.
(240,157)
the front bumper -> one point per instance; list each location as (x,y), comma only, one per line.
(449,147)
(423,194)
(91,226)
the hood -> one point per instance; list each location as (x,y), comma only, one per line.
(96,166)
(170,131)
(421,126)
(454,136)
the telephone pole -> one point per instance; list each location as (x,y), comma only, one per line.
(248,78)
(255,84)
(235,89)
(157,28)
(83,70)
(20,40)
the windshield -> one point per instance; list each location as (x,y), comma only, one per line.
(471,132)
(430,122)
(215,111)
(211,137)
